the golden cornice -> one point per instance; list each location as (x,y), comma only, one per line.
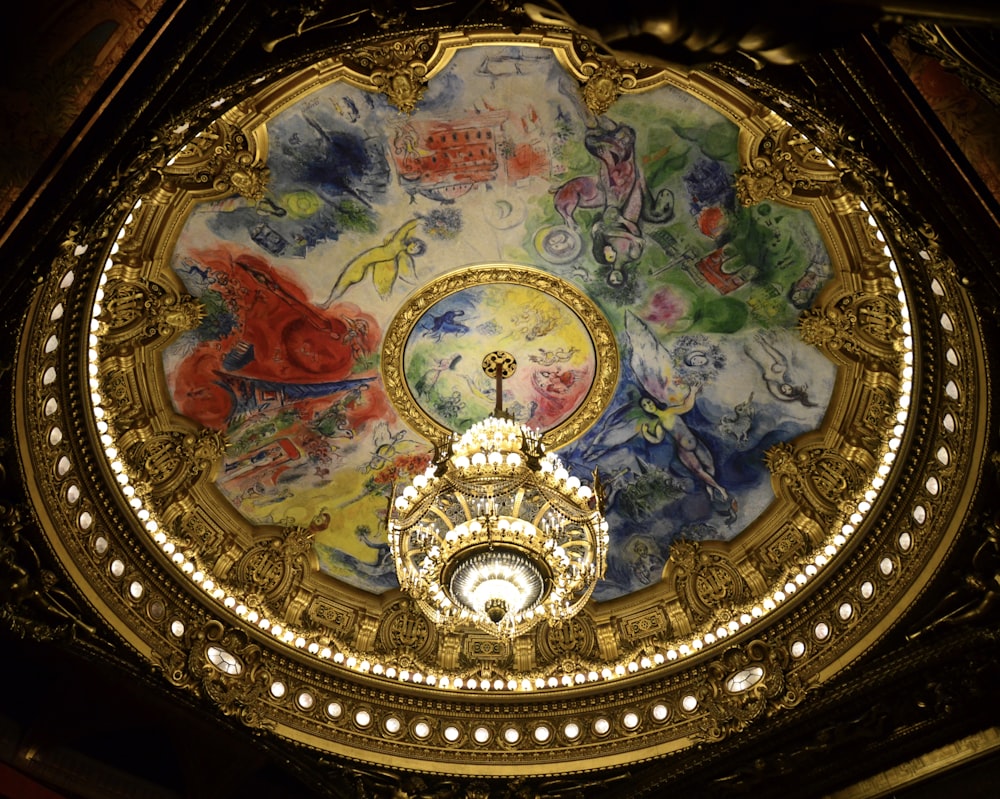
(398,69)
(220,161)
(901,540)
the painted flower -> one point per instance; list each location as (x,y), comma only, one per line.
(667,307)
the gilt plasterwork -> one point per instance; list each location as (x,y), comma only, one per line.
(820,482)
(399,70)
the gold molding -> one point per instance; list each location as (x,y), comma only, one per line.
(399,69)
(934,763)
(599,330)
(745,684)
(107,550)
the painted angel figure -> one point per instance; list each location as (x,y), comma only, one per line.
(392,259)
(663,406)
(776,371)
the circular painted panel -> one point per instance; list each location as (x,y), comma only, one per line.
(563,346)
(448,382)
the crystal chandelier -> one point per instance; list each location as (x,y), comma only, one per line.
(496,533)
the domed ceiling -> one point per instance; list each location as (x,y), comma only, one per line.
(651,312)
(294,312)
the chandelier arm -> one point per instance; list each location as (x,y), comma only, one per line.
(497,534)
(495,483)
(577,510)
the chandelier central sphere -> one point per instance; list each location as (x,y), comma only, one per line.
(496,533)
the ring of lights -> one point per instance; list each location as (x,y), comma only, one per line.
(121,547)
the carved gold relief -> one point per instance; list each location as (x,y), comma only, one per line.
(875,414)
(832,476)
(644,624)
(404,629)
(774,556)
(604,78)
(119,384)
(275,569)
(484,647)
(207,539)
(136,312)
(745,685)
(818,480)
(230,671)
(784,166)
(170,462)
(572,640)
(336,617)
(398,69)
(220,160)
(604,84)
(705,580)
(861,327)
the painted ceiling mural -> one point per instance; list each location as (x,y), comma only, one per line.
(501,163)
(772,369)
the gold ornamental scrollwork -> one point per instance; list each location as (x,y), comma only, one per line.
(744,685)
(604,78)
(874,418)
(335,617)
(862,328)
(784,166)
(119,383)
(275,569)
(208,540)
(230,671)
(648,623)
(820,481)
(220,160)
(605,82)
(403,628)
(398,70)
(137,312)
(573,640)
(705,580)
(480,648)
(167,464)
(773,557)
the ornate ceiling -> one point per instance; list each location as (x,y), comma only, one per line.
(714,301)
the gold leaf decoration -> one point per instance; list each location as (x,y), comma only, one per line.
(230,671)
(746,685)
(398,70)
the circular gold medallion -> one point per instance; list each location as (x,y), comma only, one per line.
(563,344)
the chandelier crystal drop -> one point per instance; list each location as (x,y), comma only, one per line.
(496,533)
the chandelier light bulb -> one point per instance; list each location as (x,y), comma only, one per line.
(496,533)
